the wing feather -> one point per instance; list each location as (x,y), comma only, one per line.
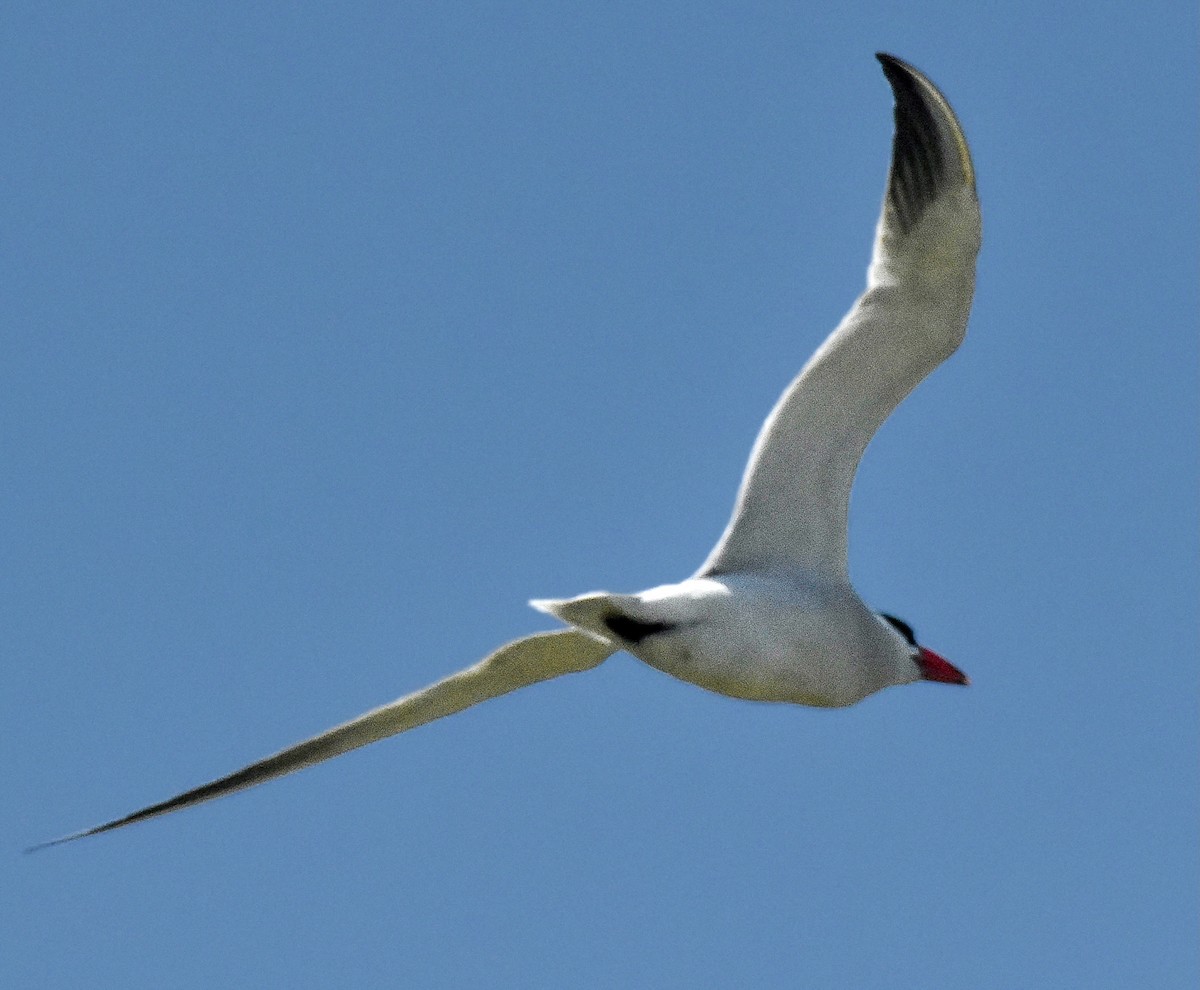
(792,508)
(515,665)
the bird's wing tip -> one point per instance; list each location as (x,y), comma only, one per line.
(61,840)
(929,151)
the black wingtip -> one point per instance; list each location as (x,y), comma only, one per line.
(30,850)
(62,840)
(929,150)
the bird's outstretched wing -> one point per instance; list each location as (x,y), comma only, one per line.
(791,511)
(515,665)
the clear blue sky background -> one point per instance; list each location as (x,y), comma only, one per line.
(333,334)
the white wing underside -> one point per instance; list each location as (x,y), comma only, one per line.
(791,510)
(515,665)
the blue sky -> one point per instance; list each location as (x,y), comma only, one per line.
(331,336)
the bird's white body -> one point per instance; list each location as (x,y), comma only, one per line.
(771,614)
(801,638)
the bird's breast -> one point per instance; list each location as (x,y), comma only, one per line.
(760,643)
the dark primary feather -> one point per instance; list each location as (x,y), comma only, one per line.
(924,148)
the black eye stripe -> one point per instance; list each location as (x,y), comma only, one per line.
(902,627)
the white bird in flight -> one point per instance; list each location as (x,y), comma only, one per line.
(771,614)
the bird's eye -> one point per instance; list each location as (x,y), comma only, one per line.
(902,627)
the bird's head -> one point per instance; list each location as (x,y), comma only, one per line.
(930,666)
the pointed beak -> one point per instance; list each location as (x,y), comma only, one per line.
(936,668)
